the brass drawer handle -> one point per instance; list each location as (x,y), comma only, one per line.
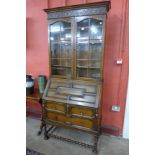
(81,123)
(81,113)
(69,123)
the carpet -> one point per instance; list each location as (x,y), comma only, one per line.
(32,152)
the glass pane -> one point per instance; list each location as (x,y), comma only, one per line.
(82,72)
(68,72)
(60,27)
(55,31)
(83,33)
(95,22)
(60,48)
(65,25)
(95,32)
(82,49)
(55,49)
(89,48)
(94,73)
(65,50)
(66,63)
(82,63)
(56,62)
(83,23)
(61,71)
(94,63)
(66,34)
(95,49)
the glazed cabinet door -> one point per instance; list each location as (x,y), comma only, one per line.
(60,47)
(89,40)
(76,47)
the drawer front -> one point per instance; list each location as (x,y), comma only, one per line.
(82,112)
(56,117)
(56,107)
(51,116)
(82,122)
(70,120)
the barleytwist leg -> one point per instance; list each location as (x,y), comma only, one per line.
(46,133)
(42,122)
(95,145)
(41,128)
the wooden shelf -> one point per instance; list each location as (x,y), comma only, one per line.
(61,58)
(88,59)
(79,39)
(88,67)
(61,66)
(62,41)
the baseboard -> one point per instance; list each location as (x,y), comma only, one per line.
(33,115)
(112,130)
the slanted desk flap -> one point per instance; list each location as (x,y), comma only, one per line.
(70,91)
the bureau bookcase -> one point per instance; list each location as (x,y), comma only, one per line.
(76,39)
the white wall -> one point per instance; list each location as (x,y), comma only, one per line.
(126,119)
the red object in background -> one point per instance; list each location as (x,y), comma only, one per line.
(33,109)
(116,46)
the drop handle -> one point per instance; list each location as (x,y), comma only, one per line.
(81,123)
(69,123)
(81,113)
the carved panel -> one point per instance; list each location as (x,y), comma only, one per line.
(80,12)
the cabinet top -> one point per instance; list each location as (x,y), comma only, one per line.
(79,10)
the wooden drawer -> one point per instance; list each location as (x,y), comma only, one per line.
(55,107)
(82,122)
(77,111)
(56,117)
(70,120)
(52,116)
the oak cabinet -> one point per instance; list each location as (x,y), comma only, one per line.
(76,38)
